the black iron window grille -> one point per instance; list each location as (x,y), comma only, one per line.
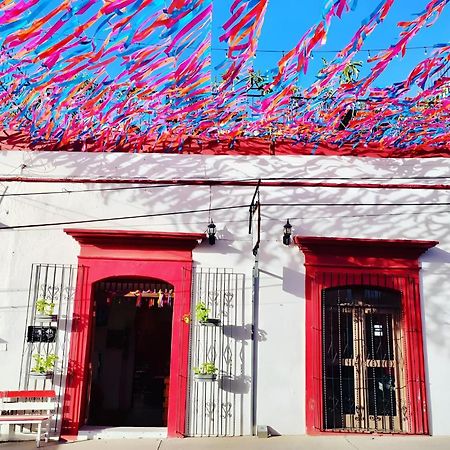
(364,386)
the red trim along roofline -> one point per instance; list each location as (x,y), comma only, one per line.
(16,140)
(217,182)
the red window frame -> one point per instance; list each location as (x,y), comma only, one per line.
(333,262)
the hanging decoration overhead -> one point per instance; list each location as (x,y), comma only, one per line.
(137,75)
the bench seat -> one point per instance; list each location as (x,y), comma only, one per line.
(25,418)
(28,407)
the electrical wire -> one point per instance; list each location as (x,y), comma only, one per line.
(139,216)
(68,191)
(358,216)
(357,204)
(424,48)
(148,186)
(224,208)
(363,50)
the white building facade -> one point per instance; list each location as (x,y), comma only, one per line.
(344,329)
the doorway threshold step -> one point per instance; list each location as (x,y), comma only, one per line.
(102,432)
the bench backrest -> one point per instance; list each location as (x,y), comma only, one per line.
(28,401)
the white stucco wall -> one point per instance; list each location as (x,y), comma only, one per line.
(281,310)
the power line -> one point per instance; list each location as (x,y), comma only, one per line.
(273,219)
(68,191)
(140,216)
(424,48)
(356,204)
(224,208)
(356,216)
(81,191)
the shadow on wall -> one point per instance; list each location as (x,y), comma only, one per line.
(328,220)
(294,282)
(436,255)
(235,385)
(243,333)
(435,312)
(223,244)
(240,384)
(319,211)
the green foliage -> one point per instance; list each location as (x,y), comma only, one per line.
(258,81)
(207,368)
(45,306)
(44,364)
(201,312)
(351,72)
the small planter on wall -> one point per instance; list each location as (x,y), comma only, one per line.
(205,377)
(41,376)
(202,315)
(44,366)
(46,318)
(212,322)
(205,372)
(44,310)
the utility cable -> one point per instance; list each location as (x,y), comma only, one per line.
(149,186)
(139,216)
(224,208)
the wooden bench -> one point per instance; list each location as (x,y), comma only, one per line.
(28,407)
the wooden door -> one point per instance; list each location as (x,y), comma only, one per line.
(363,366)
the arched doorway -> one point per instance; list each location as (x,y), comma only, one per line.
(129,368)
(109,254)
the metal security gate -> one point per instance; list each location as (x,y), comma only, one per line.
(364,386)
(47,330)
(220,406)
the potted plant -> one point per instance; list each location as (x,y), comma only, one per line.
(202,314)
(205,372)
(44,365)
(44,309)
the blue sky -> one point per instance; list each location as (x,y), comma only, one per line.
(287,20)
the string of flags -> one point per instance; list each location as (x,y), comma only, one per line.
(150,298)
(137,75)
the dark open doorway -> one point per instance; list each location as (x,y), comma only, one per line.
(130,353)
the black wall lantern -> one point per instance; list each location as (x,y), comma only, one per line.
(287,233)
(211,232)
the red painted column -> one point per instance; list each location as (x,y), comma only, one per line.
(77,365)
(310,354)
(179,362)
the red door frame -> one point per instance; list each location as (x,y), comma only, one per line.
(332,262)
(105,254)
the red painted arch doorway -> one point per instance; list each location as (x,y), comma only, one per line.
(106,254)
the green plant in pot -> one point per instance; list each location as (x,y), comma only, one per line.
(44,365)
(44,307)
(202,315)
(206,371)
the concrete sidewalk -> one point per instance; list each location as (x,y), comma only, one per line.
(251,443)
